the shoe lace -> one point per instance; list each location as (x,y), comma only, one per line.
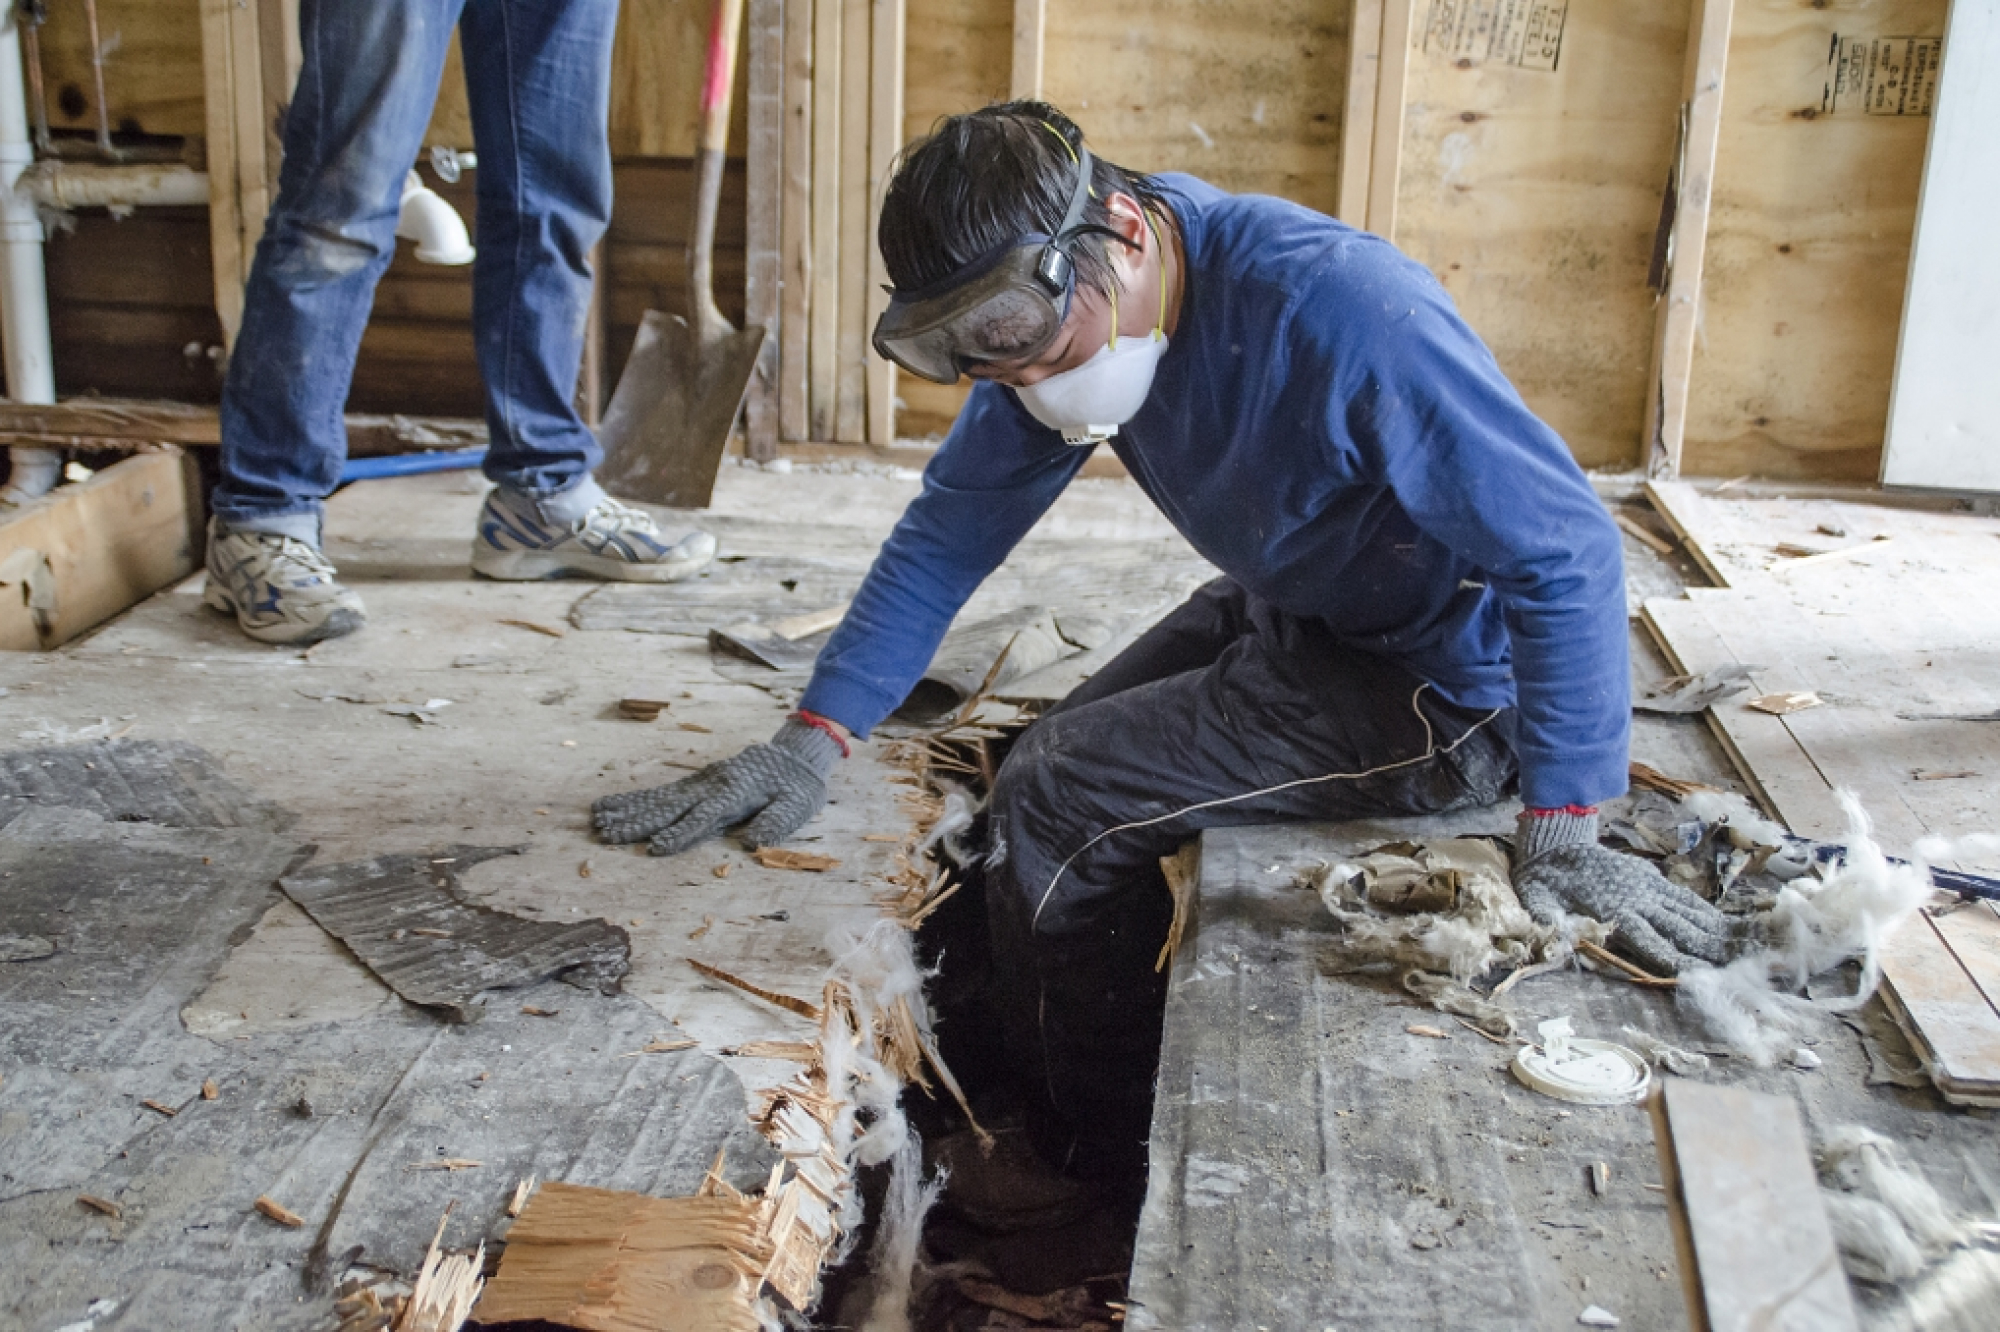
(610,514)
(309,558)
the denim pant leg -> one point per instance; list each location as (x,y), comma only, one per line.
(538,73)
(357,120)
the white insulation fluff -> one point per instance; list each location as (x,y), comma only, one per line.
(1887,1219)
(900,1232)
(1757,1004)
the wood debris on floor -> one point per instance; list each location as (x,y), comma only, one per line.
(1877,656)
(407,918)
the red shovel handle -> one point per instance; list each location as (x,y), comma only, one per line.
(720,76)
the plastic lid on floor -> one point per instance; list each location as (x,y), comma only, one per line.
(1572,1068)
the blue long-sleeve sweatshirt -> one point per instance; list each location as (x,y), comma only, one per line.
(1328,432)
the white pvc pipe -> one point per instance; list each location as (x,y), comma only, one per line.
(433,224)
(24,289)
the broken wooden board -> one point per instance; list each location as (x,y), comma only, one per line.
(405,917)
(79,555)
(1757,1254)
(1951,1022)
(624,1262)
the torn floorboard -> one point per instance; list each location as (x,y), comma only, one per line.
(405,917)
(342,1122)
(1315,1164)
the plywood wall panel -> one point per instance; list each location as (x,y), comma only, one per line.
(1246,95)
(1533,192)
(1808,248)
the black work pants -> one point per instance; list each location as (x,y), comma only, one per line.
(1227,712)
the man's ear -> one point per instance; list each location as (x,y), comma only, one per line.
(1127,217)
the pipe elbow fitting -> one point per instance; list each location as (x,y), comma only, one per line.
(433,224)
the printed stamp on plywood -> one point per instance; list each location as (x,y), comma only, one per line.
(1882,76)
(1524,33)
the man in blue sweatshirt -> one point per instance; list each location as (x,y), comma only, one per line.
(1422,601)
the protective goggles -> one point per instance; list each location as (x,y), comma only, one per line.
(1006,305)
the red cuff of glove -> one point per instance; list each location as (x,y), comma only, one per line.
(819,723)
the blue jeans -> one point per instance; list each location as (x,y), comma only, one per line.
(538,76)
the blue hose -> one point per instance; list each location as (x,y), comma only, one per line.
(410,464)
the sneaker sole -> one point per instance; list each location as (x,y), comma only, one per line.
(336,625)
(536,566)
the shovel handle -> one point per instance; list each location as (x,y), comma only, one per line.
(719,77)
(718,85)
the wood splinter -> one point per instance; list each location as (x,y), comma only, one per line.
(104,1205)
(777,857)
(1636,974)
(785,1001)
(278,1212)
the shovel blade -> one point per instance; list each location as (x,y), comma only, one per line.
(668,422)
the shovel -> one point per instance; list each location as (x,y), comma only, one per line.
(669,417)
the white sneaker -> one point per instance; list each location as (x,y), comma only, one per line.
(280,589)
(612,541)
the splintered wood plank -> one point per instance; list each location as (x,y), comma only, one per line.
(1951,1023)
(1745,1198)
(624,1262)
(82,554)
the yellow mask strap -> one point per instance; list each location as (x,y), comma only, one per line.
(1159,325)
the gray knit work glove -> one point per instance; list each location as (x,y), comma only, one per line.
(1559,867)
(777,787)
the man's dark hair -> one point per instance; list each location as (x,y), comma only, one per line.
(992,176)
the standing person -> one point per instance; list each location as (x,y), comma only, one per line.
(1422,603)
(538,78)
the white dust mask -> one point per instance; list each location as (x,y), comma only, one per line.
(1088,403)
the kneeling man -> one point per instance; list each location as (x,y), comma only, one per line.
(1422,602)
